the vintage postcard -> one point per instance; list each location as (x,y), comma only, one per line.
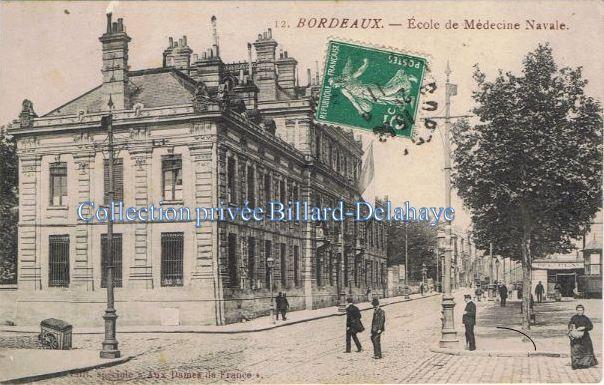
(309,192)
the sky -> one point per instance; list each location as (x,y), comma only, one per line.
(51,54)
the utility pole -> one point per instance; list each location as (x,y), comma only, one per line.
(110,344)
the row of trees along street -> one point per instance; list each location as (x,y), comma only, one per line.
(529,166)
(8,209)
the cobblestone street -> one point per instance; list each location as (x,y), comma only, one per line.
(313,352)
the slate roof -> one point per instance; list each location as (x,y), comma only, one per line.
(158,87)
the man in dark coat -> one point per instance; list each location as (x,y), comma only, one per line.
(377,327)
(353,325)
(539,290)
(283,307)
(469,320)
(279,305)
(503,294)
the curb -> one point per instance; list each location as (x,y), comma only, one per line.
(254,330)
(486,353)
(45,376)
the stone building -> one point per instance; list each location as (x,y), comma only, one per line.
(196,132)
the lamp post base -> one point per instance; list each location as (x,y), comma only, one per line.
(110,344)
(406,292)
(342,303)
(448,337)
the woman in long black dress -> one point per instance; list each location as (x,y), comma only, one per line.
(581,348)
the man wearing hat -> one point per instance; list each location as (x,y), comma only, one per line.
(377,327)
(469,320)
(353,326)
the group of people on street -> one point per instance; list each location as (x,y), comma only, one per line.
(355,326)
(581,346)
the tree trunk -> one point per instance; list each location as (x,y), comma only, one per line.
(526,283)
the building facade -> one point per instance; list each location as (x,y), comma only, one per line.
(196,132)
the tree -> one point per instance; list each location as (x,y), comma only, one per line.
(421,243)
(530,171)
(8,209)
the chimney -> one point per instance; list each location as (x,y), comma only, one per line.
(115,65)
(286,68)
(209,67)
(215,36)
(250,70)
(266,76)
(178,55)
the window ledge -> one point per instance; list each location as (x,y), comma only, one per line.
(57,208)
(172,203)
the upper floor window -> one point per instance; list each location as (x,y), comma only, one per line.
(282,192)
(251,186)
(172,177)
(118,181)
(58,184)
(267,187)
(231,181)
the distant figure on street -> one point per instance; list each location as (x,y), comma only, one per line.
(539,290)
(558,292)
(503,294)
(377,327)
(353,325)
(478,293)
(581,347)
(469,320)
(282,305)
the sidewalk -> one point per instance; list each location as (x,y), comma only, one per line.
(16,364)
(256,325)
(548,334)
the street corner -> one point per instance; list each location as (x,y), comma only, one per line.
(27,365)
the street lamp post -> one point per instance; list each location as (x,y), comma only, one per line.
(110,344)
(406,262)
(448,332)
(269,264)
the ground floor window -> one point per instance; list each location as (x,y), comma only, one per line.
(232,260)
(172,259)
(58,261)
(117,259)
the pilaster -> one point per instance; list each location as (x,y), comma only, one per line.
(29,270)
(141,269)
(83,263)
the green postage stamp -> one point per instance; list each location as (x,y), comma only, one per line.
(370,88)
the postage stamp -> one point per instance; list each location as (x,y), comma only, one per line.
(370,88)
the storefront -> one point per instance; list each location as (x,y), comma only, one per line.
(558,268)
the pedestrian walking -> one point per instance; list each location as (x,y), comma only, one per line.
(478,293)
(377,328)
(284,306)
(539,290)
(581,347)
(353,325)
(278,304)
(469,321)
(503,294)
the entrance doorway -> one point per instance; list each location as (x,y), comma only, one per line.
(567,282)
